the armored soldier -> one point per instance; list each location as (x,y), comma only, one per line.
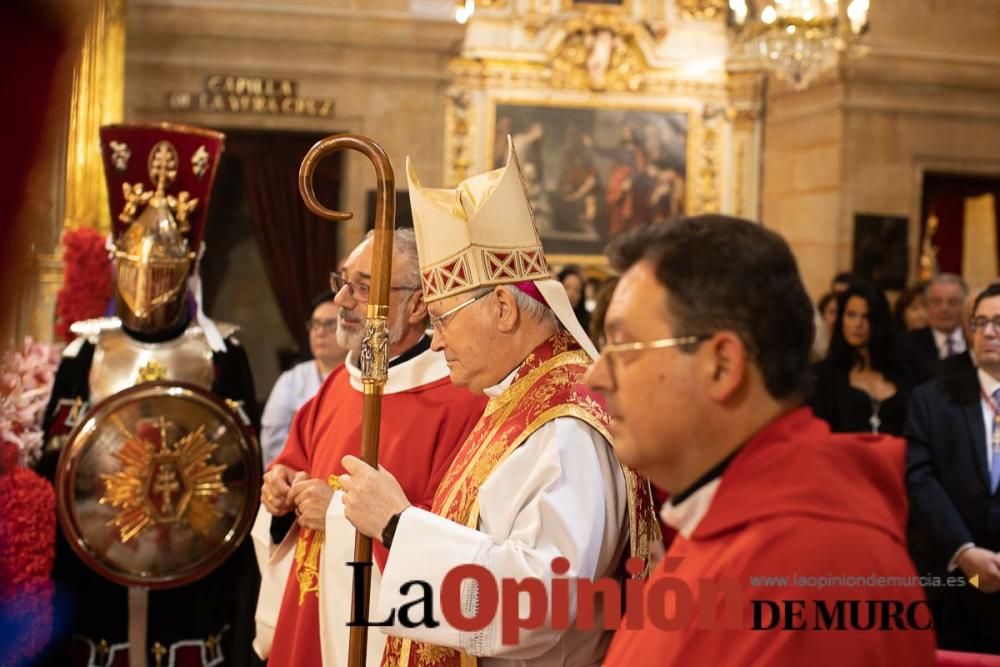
(159,180)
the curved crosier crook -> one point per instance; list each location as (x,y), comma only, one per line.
(375,345)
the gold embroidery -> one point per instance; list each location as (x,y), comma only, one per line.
(199,162)
(135,196)
(307,552)
(307,549)
(545,388)
(428,654)
(120,154)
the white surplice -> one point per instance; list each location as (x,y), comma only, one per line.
(561,493)
(335,581)
(335,577)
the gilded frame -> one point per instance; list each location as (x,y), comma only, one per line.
(597,5)
(558,251)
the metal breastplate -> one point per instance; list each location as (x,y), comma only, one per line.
(121,362)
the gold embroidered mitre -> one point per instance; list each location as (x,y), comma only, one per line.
(479,234)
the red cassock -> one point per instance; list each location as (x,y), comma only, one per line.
(801,503)
(422,427)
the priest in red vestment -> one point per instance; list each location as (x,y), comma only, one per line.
(304,604)
(791,540)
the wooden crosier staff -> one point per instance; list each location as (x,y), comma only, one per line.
(375,345)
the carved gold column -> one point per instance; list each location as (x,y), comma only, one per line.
(746,94)
(95,97)
(98,98)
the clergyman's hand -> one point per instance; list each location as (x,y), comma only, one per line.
(274,491)
(311,498)
(371,497)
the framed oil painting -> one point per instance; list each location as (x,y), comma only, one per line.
(880,253)
(594,172)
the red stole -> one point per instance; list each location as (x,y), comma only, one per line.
(545,387)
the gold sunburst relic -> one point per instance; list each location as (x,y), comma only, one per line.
(163,482)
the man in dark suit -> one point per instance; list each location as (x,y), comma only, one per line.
(953,471)
(940,348)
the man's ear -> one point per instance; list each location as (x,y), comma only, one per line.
(725,360)
(417,308)
(508,314)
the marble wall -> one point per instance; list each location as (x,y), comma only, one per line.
(925,98)
(382,63)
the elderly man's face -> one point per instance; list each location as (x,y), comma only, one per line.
(351,320)
(650,393)
(944,306)
(466,338)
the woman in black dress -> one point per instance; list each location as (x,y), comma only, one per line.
(859,386)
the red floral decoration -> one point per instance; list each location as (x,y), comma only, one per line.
(27,504)
(87,288)
(27,551)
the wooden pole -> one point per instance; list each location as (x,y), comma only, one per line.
(375,346)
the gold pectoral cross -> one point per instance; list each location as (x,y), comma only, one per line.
(212,646)
(158,652)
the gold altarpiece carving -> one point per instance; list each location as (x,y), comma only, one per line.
(633,57)
(98,98)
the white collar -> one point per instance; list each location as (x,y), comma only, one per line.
(955,335)
(499,388)
(428,366)
(686,516)
(988,383)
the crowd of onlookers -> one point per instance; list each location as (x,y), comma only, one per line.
(870,356)
(928,370)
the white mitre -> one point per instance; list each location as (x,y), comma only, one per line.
(483,233)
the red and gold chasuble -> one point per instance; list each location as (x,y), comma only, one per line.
(546,386)
(421,430)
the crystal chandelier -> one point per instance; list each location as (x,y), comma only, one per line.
(798,39)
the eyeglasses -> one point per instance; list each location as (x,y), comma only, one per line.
(611,350)
(981,323)
(329,326)
(360,292)
(438,321)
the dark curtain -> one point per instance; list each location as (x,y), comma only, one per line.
(945,195)
(299,249)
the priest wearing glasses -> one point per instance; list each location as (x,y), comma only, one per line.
(709,331)
(304,604)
